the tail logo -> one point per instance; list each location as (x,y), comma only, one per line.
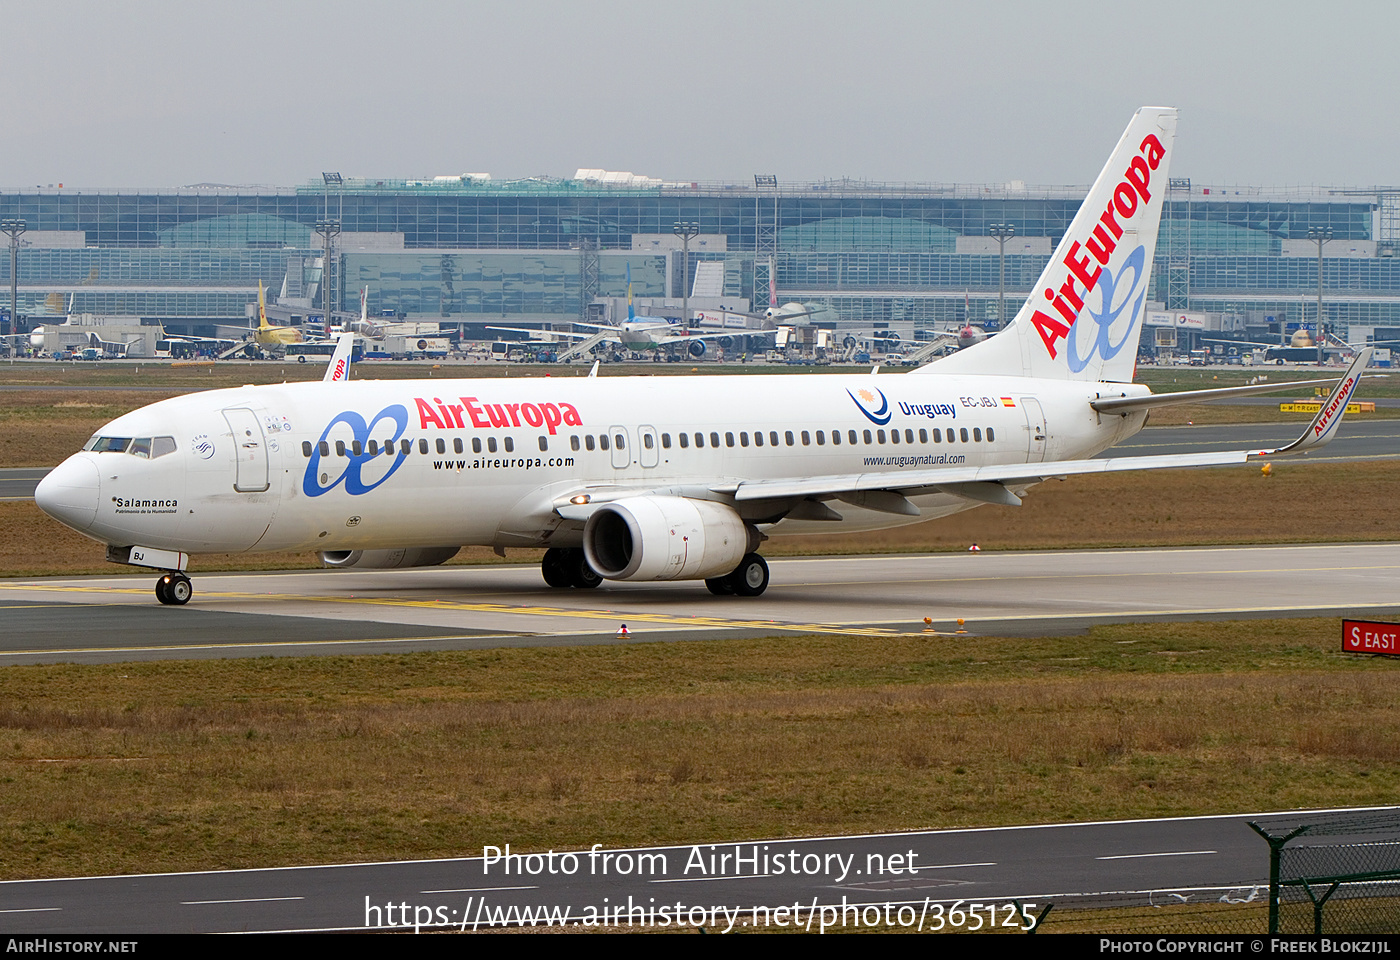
(865,399)
(1099,334)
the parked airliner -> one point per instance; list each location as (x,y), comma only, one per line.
(658,478)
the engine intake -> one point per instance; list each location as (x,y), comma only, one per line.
(389,559)
(665,538)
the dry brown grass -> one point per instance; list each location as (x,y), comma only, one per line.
(164,766)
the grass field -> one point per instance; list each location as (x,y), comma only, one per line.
(240,763)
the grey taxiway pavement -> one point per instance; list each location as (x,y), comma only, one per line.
(105,619)
(1183,863)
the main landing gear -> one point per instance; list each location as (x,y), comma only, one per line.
(174,589)
(749,579)
(568,567)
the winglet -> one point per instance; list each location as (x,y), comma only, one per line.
(338,370)
(1324,426)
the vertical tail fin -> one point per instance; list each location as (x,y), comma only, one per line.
(339,368)
(1084,316)
(630,314)
(262,308)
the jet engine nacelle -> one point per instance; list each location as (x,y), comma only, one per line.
(696,348)
(389,559)
(665,538)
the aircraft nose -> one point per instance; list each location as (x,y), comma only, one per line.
(69,493)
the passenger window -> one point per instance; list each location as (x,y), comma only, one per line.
(743,438)
(868,441)
(806,439)
(728,439)
(836,437)
(714,438)
(423,445)
(510,444)
(588,441)
(851,436)
(476,444)
(441,445)
(787,435)
(306,448)
(977,434)
(573,442)
(758,438)
(602,441)
(544,443)
(490,445)
(647,441)
(374,448)
(325,448)
(963,434)
(894,436)
(908,435)
(923,435)
(937,435)
(456,444)
(357,448)
(951,436)
(620,441)
(685,440)
(340,448)
(666,441)
(880,436)
(990,436)
(699,440)
(772,438)
(405,447)
(821,438)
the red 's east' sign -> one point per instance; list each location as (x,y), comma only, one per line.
(1369,636)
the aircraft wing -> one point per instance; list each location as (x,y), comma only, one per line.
(887,491)
(534,334)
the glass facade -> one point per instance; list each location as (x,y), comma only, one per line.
(871,253)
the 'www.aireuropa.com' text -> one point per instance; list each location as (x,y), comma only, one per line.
(478,913)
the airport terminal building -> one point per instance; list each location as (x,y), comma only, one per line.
(474,251)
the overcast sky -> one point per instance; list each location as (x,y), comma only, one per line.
(163,93)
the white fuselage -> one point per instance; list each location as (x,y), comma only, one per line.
(303,466)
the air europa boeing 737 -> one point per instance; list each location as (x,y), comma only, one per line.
(658,478)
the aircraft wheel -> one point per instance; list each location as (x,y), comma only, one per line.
(720,586)
(580,573)
(180,589)
(301,359)
(163,589)
(750,579)
(554,566)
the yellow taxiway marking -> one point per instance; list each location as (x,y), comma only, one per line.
(691,622)
(257,645)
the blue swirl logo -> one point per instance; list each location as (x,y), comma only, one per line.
(360,430)
(865,398)
(1098,335)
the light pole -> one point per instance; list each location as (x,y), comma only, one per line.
(1321,235)
(1002,232)
(329,230)
(13,227)
(685,230)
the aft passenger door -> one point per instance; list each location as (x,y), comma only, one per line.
(1035,427)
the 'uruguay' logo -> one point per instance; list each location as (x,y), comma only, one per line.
(865,399)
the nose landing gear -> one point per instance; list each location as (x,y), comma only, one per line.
(174,589)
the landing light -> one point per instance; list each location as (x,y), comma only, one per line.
(580,499)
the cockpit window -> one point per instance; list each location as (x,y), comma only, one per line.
(108,444)
(147,448)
